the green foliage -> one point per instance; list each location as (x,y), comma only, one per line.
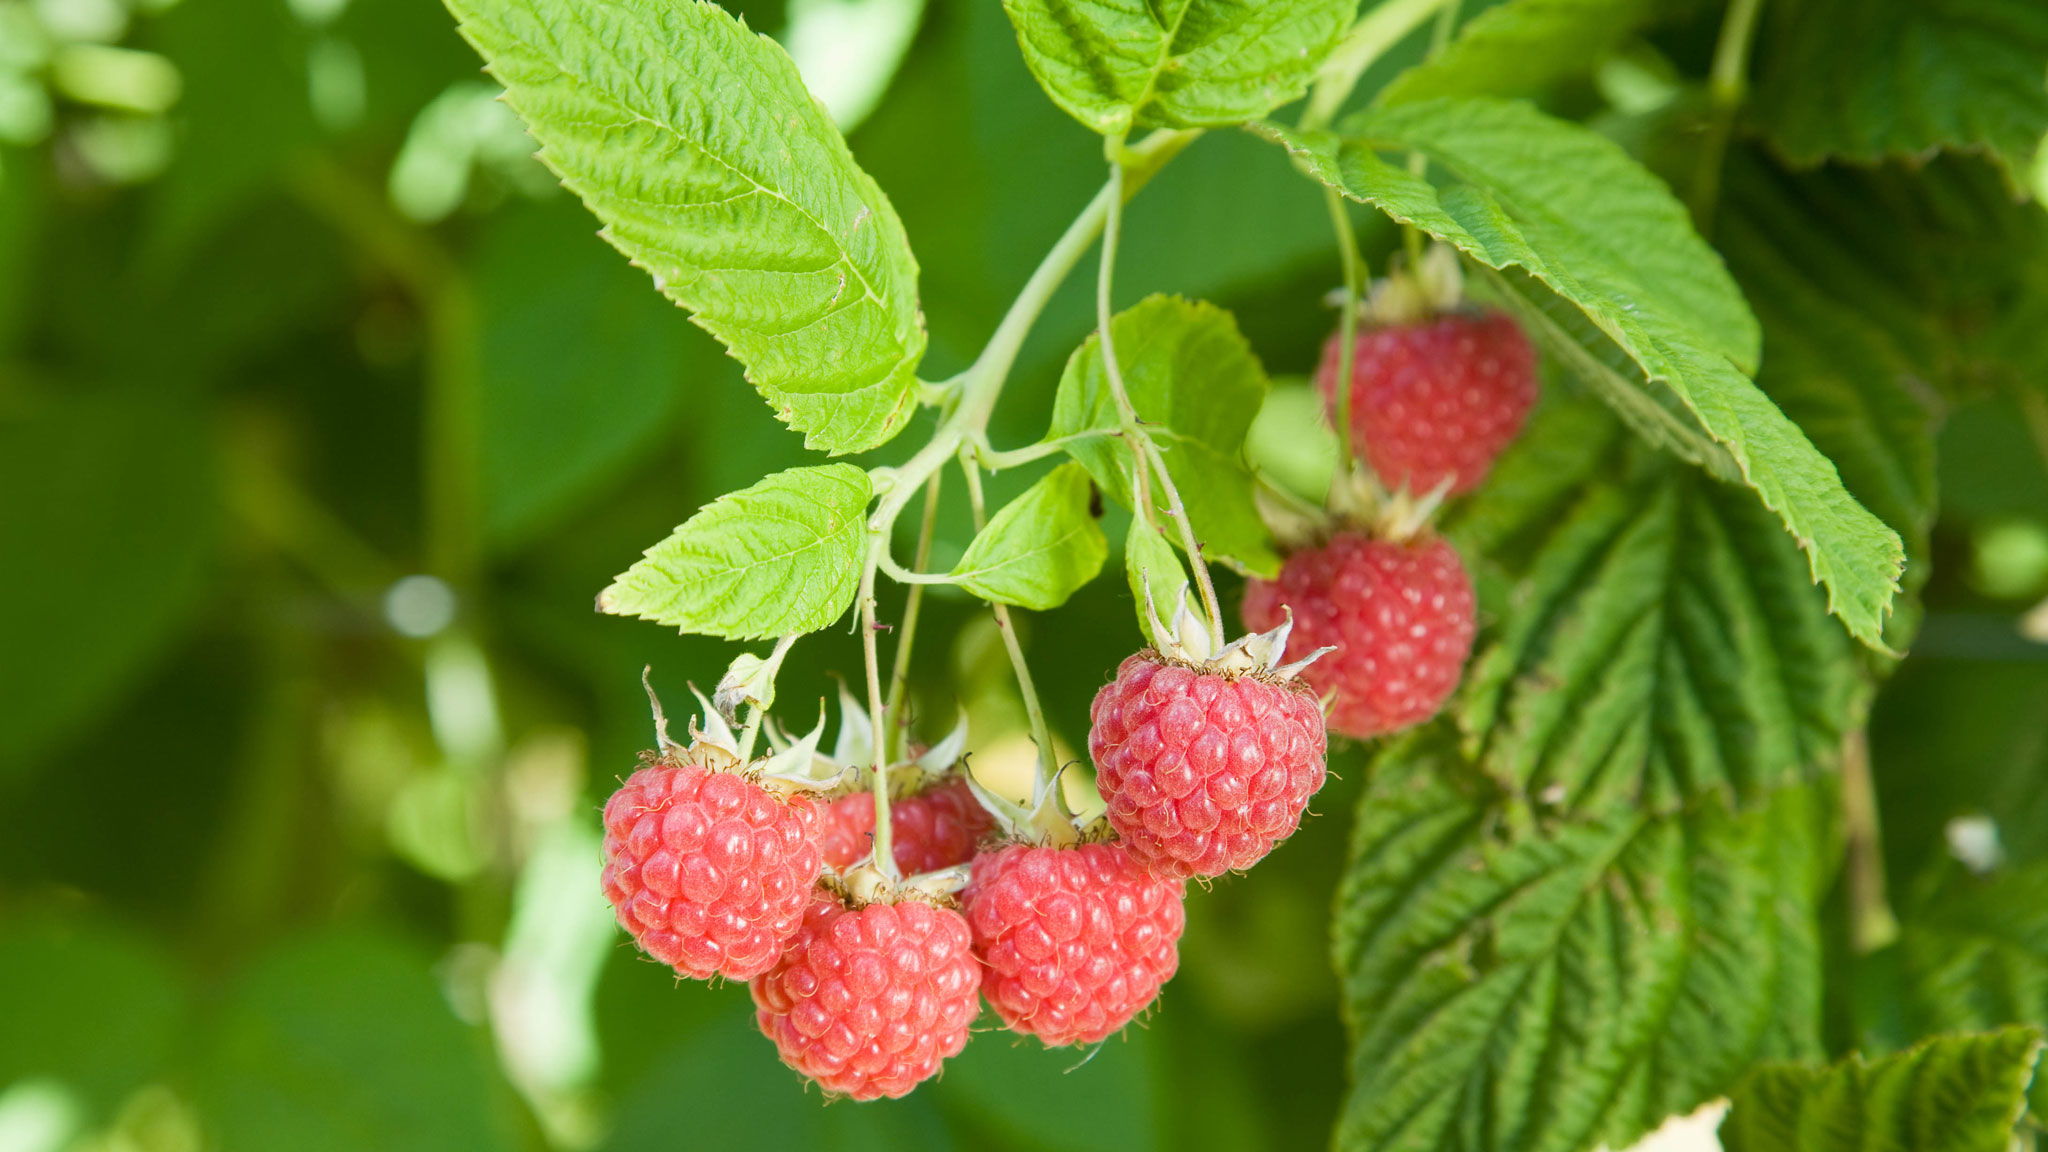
(1951,1094)
(696,144)
(780,557)
(92,1006)
(1117,64)
(1193,376)
(1871,80)
(1041,548)
(1152,568)
(1973,951)
(1576,213)
(1544,988)
(1521,48)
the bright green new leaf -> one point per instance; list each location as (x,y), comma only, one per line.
(1870,80)
(1569,207)
(1040,548)
(1663,641)
(1520,48)
(1516,988)
(1119,64)
(1950,1094)
(1153,569)
(780,557)
(695,142)
(1196,383)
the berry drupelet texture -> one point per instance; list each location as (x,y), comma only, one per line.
(868,1002)
(1203,771)
(936,828)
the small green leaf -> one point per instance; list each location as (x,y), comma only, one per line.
(780,557)
(1871,80)
(1119,64)
(1950,1094)
(1521,48)
(1195,381)
(1573,983)
(695,142)
(1528,191)
(1153,569)
(1040,548)
(1291,441)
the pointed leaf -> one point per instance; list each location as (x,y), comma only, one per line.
(1521,48)
(1040,548)
(1153,569)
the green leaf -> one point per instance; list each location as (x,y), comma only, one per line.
(778,558)
(1528,191)
(1951,1094)
(1040,548)
(1119,64)
(91,1006)
(1521,48)
(345,1043)
(1291,441)
(695,142)
(1194,379)
(1153,569)
(1870,80)
(1661,640)
(1974,954)
(1545,989)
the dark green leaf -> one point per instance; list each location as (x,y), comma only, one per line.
(1040,548)
(1114,64)
(780,557)
(696,143)
(1194,379)
(1951,1094)
(1538,989)
(1521,48)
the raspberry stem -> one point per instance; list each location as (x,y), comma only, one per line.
(1378,30)
(1353,265)
(885,856)
(898,732)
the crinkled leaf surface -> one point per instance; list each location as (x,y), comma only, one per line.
(1040,548)
(695,142)
(1194,379)
(1528,191)
(778,558)
(1116,64)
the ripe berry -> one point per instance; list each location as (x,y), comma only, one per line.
(1077,941)
(1203,771)
(869,1001)
(1435,400)
(708,870)
(1399,614)
(933,829)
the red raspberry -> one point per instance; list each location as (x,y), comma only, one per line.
(936,828)
(1203,771)
(708,870)
(1435,400)
(868,1002)
(1077,941)
(1399,614)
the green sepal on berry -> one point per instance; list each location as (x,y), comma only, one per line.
(792,767)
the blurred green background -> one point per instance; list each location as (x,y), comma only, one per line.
(323,417)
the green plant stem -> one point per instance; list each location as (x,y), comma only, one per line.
(906,637)
(1353,266)
(1378,30)
(1142,447)
(1727,85)
(1446,26)
(1041,734)
(885,852)
(1872,925)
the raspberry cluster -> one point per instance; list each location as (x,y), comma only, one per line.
(933,829)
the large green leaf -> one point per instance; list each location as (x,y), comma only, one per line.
(1115,64)
(1951,1094)
(91,1006)
(695,142)
(1868,80)
(780,557)
(1661,641)
(1973,954)
(1536,989)
(1570,208)
(1192,377)
(1520,48)
(1040,548)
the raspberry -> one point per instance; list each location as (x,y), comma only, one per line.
(708,870)
(1436,400)
(1077,941)
(1203,771)
(1399,614)
(934,829)
(868,1002)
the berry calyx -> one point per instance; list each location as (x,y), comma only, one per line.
(1399,615)
(933,829)
(868,1001)
(1076,941)
(1206,764)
